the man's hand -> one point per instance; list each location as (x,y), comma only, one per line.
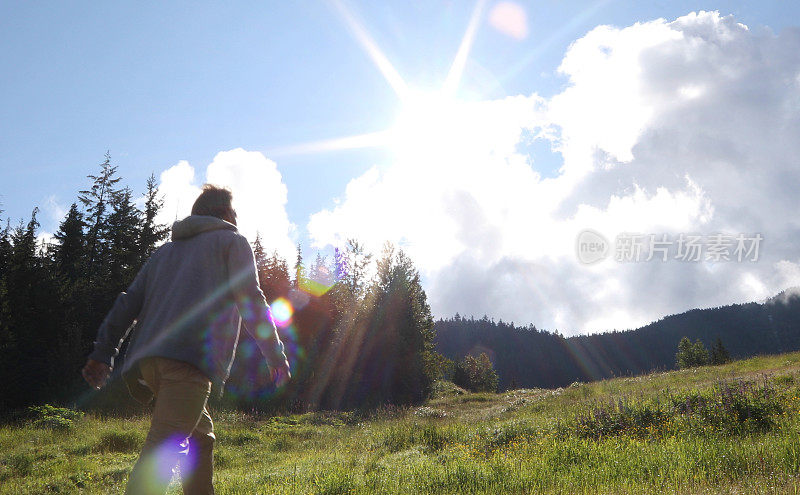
(96,373)
(280,375)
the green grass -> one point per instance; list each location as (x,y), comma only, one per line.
(726,429)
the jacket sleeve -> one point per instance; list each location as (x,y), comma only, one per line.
(253,308)
(118,321)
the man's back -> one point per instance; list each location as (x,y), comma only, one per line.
(188,311)
(185,301)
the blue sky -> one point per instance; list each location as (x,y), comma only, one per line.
(159,82)
(156,83)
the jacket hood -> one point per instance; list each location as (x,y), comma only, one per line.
(196,224)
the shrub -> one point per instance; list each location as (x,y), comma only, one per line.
(20,464)
(691,355)
(620,417)
(55,418)
(476,374)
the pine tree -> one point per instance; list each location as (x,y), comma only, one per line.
(299,269)
(320,273)
(339,265)
(123,235)
(684,356)
(355,262)
(70,258)
(6,339)
(5,252)
(700,353)
(400,333)
(262,263)
(719,354)
(258,253)
(71,251)
(278,275)
(30,363)
(152,233)
(95,202)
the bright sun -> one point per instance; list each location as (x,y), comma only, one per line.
(429,124)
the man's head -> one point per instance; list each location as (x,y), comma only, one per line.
(215,201)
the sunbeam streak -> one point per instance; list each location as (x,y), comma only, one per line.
(368,140)
(368,44)
(460,61)
(428,123)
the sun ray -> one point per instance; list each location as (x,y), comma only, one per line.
(460,61)
(367,140)
(383,64)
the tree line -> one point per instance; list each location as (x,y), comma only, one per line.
(531,357)
(360,334)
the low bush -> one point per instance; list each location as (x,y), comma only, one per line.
(52,417)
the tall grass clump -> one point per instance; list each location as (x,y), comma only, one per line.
(120,441)
(737,407)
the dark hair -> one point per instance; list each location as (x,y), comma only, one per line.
(215,201)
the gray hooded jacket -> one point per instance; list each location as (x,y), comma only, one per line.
(188,302)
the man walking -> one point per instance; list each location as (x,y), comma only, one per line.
(188,302)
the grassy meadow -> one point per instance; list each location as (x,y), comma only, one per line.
(724,429)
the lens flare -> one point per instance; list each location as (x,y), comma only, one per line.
(282,311)
(314,287)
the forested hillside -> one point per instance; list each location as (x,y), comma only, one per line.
(357,327)
(529,357)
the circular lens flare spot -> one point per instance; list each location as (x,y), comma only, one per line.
(282,311)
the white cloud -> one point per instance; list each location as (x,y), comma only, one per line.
(259,195)
(178,187)
(665,127)
(44,238)
(54,210)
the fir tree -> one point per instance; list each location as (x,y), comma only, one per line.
(95,202)
(356,261)
(339,265)
(123,235)
(30,362)
(262,263)
(5,258)
(278,276)
(398,334)
(299,269)
(320,273)
(70,251)
(719,355)
(152,233)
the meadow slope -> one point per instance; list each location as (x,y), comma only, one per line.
(724,429)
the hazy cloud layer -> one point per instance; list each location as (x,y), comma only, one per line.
(689,126)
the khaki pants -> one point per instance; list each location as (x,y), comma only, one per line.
(181,431)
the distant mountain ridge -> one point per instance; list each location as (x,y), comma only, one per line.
(528,357)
